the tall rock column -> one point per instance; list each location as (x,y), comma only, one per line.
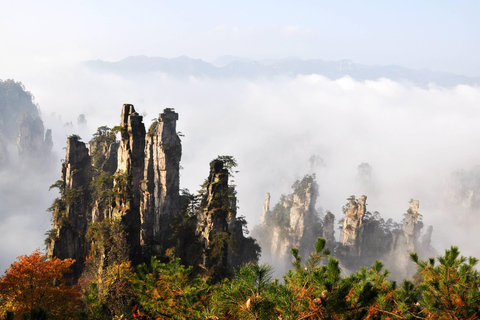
(131,156)
(131,152)
(329,228)
(303,209)
(266,209)
(69,212)
(160,187)
(353,220)
(214,213)
(409,224)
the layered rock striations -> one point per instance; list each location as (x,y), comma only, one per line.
(70,212)
(352,223)
(293,222)
(120,201)
(161,180)
(127,180)
(214,213)
(364,236)
(220,230)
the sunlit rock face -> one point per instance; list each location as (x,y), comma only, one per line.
(292,222)
(141,173)
(161,180)
(409,222)
(302,210)
(266,209)
(353,220)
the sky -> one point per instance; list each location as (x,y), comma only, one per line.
(439,35)
(413,137)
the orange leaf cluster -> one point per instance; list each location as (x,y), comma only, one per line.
(34,282)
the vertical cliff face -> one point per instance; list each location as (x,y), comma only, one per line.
(408,240)
(70,212)
(160,186)
(293,222)
(302,211)
(219,229)
(131,152)
(130,169)
(462,190)
(103,150)
(352,223)
(134,182)
(215,206)
(329,228)
(213,217)
(410,226)
(21,125)
(266,209)
(33,143)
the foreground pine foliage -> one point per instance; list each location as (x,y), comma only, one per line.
(444,288)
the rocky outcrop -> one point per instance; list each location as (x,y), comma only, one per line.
(161,180)
(329,228)
(462,191)
(104,151)
(34,145)
(131,152)
(352,223)
(302,210)
(21,125)
(222,233)
(266,209)
(215,206)
(293,222)
(131,181)
(213,216)
(69,216)
(410,226)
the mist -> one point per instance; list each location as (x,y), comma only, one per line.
(412,137)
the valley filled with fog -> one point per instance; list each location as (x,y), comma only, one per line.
(413,137)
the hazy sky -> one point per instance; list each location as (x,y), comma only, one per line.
(440,35)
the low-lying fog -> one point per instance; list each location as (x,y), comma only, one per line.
(412,137)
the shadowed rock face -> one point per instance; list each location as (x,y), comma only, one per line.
(354,213)
(329,228)
(215,206)
(131,152)
(30,139)
(21,125)
(214,211)
(70,213)
(218,227)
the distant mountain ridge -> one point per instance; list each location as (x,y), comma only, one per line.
(233,67)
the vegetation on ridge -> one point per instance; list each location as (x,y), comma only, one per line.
(312,289)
